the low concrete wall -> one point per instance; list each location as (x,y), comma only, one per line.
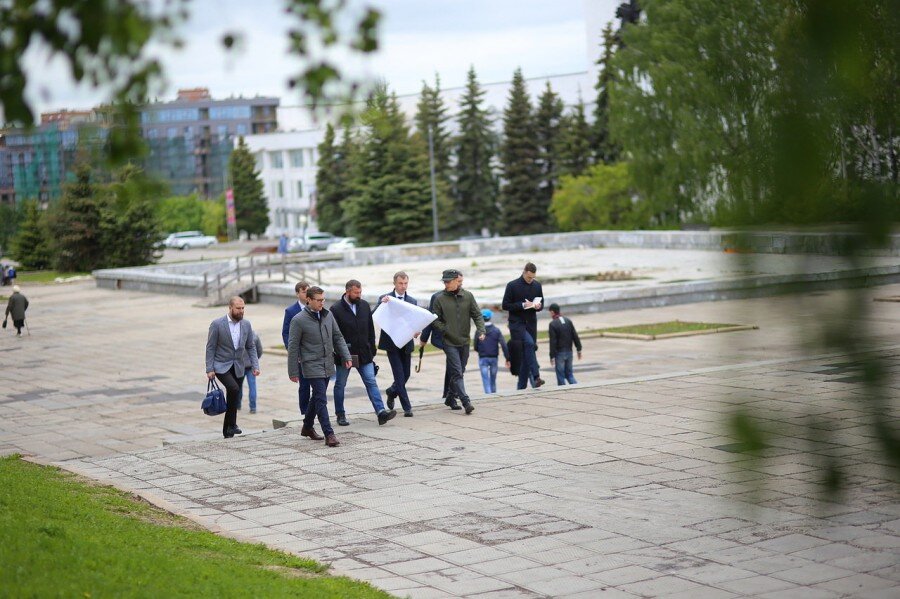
(187,278)
(627,298)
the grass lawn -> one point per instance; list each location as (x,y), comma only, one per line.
(663,328)
(60,536)
(44,276)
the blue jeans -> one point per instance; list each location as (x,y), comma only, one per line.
(457,356)
(400,362)
(367,374)
(488,374)
(564,368)
(319,405)
(529,370)
(251,384)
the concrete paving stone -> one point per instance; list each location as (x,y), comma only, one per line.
(624,575)
(564,585)
(659,586)
(701,593)
(790,543)
(800,593)
(417,566)
(602,593)
(506,593)
(755,585)
(812,574)
(503,565)
(525,577)
(858,583)
(714,573)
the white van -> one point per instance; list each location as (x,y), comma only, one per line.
(310,242)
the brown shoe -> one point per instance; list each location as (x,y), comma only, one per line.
(331,441)
(311,433)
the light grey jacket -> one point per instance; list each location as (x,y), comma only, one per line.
(314,342)
(220,353)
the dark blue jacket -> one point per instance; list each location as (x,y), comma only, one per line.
(384,340)
(489,347)
(289,313)
(517,292)
(437,338)
(358,329)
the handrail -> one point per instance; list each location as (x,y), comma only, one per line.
(289,266)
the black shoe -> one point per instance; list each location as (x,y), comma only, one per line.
(450,402)
(385,415)
(228,435)
(391,396)
(469,407)
(408,414)
(236,430)
(342,420)
(538,382)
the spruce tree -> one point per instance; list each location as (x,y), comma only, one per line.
(332,183)
(129,225)
(431,116)
(604,149)
(575,147)
(547,126)
(476,186)
(75,225)
(522,209)
(251,208)
(391,200)
(31,245)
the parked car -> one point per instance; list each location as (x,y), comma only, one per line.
(346,243)
(310,242)
(189,239)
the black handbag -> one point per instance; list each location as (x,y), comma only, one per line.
(214,402)
(4,323)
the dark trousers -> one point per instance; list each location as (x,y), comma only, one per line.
(232,386)
(529,370)
(303,396)
(457,356)
(318,406)
(401,363)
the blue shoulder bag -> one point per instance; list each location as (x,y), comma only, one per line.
(214,402)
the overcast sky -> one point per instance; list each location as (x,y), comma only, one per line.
(418,38)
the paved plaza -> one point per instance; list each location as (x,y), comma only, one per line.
(626,485)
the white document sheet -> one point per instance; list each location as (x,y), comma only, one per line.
(401,320)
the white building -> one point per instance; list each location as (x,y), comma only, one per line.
(287,165)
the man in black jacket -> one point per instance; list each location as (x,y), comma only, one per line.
(523,299)
(354,319)
(562,336)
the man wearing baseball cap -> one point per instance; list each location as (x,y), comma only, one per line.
(456,309)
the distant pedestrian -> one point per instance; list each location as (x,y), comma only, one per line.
(489,352)
(562,336)
(3,270)
(289,313)
(229,346)
(523,299)
(250,377)
(283,243)
(354,318)
(16,307)
(400,358)
(314,343)
(456,309)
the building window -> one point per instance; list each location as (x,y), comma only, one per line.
(279,189)
(229,112)
(299,189)
(240,129)
(275,160)
(222,131)
(296,158)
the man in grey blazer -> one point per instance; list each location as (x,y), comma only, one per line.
(228,346)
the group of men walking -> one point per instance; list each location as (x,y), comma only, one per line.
(327,343)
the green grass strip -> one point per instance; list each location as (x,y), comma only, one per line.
(45,276)
(663,328)
(63,537)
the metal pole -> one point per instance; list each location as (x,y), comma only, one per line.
(434,217)
(252,272)
(283,270)
(237,269)
(219,285)
(269,265)
(205,285)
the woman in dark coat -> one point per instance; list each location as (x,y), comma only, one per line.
(16,307)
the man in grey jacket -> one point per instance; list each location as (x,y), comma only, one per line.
(229,345)
(313,342)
